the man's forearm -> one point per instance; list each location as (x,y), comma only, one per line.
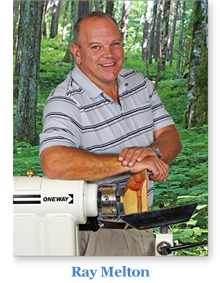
(168,142)
(60,162)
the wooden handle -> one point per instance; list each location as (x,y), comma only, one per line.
(135,193)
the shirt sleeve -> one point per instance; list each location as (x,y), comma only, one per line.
(60,123)
(161,117)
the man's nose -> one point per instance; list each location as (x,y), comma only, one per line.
(107,52)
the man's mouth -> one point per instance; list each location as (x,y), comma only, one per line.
(107,65)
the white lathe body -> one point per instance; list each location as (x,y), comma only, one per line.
(47,214)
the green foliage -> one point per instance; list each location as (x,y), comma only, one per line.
(52,70)
(188,174)
(188,183)
(173,95)
(26,156)
(188,177)
(134,33)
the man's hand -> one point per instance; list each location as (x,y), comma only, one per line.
(129,156)
(140,158)
(159,169)
(167,140)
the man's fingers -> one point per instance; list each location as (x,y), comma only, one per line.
(159,169)
(122,154)
(134,158)
(161,173)
(145,153)
(134,155)
(129,156)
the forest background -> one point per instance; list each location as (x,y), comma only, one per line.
(165,40)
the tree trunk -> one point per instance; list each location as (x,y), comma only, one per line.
(157,43)
(199,106)
(173,33)
(165,26)
(83,8)
(152,29)
(55,18)
(197,95)
(160,43)
(18,53)
(16,8)
(99,6)
(186,61)
(145,31)
(196,44)
(25,118)
(69,58)
(46,11)
(109,8)
(180,48)
(64,21)
(125,13)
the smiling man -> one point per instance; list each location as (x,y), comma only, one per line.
(99,53)
(105,123)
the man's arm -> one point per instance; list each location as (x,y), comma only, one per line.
(166,139)
(60,162)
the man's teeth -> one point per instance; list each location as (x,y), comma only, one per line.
(107,65)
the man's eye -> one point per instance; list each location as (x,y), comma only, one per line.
(116,44)
(95,47)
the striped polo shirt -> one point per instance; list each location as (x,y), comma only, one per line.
(79,114)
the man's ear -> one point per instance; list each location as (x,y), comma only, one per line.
(76,53)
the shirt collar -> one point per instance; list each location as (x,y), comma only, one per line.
(89,87)
(122,83)
(85,83)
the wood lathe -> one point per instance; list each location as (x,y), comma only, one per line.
(48,214)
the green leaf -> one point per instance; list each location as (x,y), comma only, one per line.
(191,222)
(199,207)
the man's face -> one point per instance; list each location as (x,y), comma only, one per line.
(100,52)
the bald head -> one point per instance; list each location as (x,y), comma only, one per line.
(93,15)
